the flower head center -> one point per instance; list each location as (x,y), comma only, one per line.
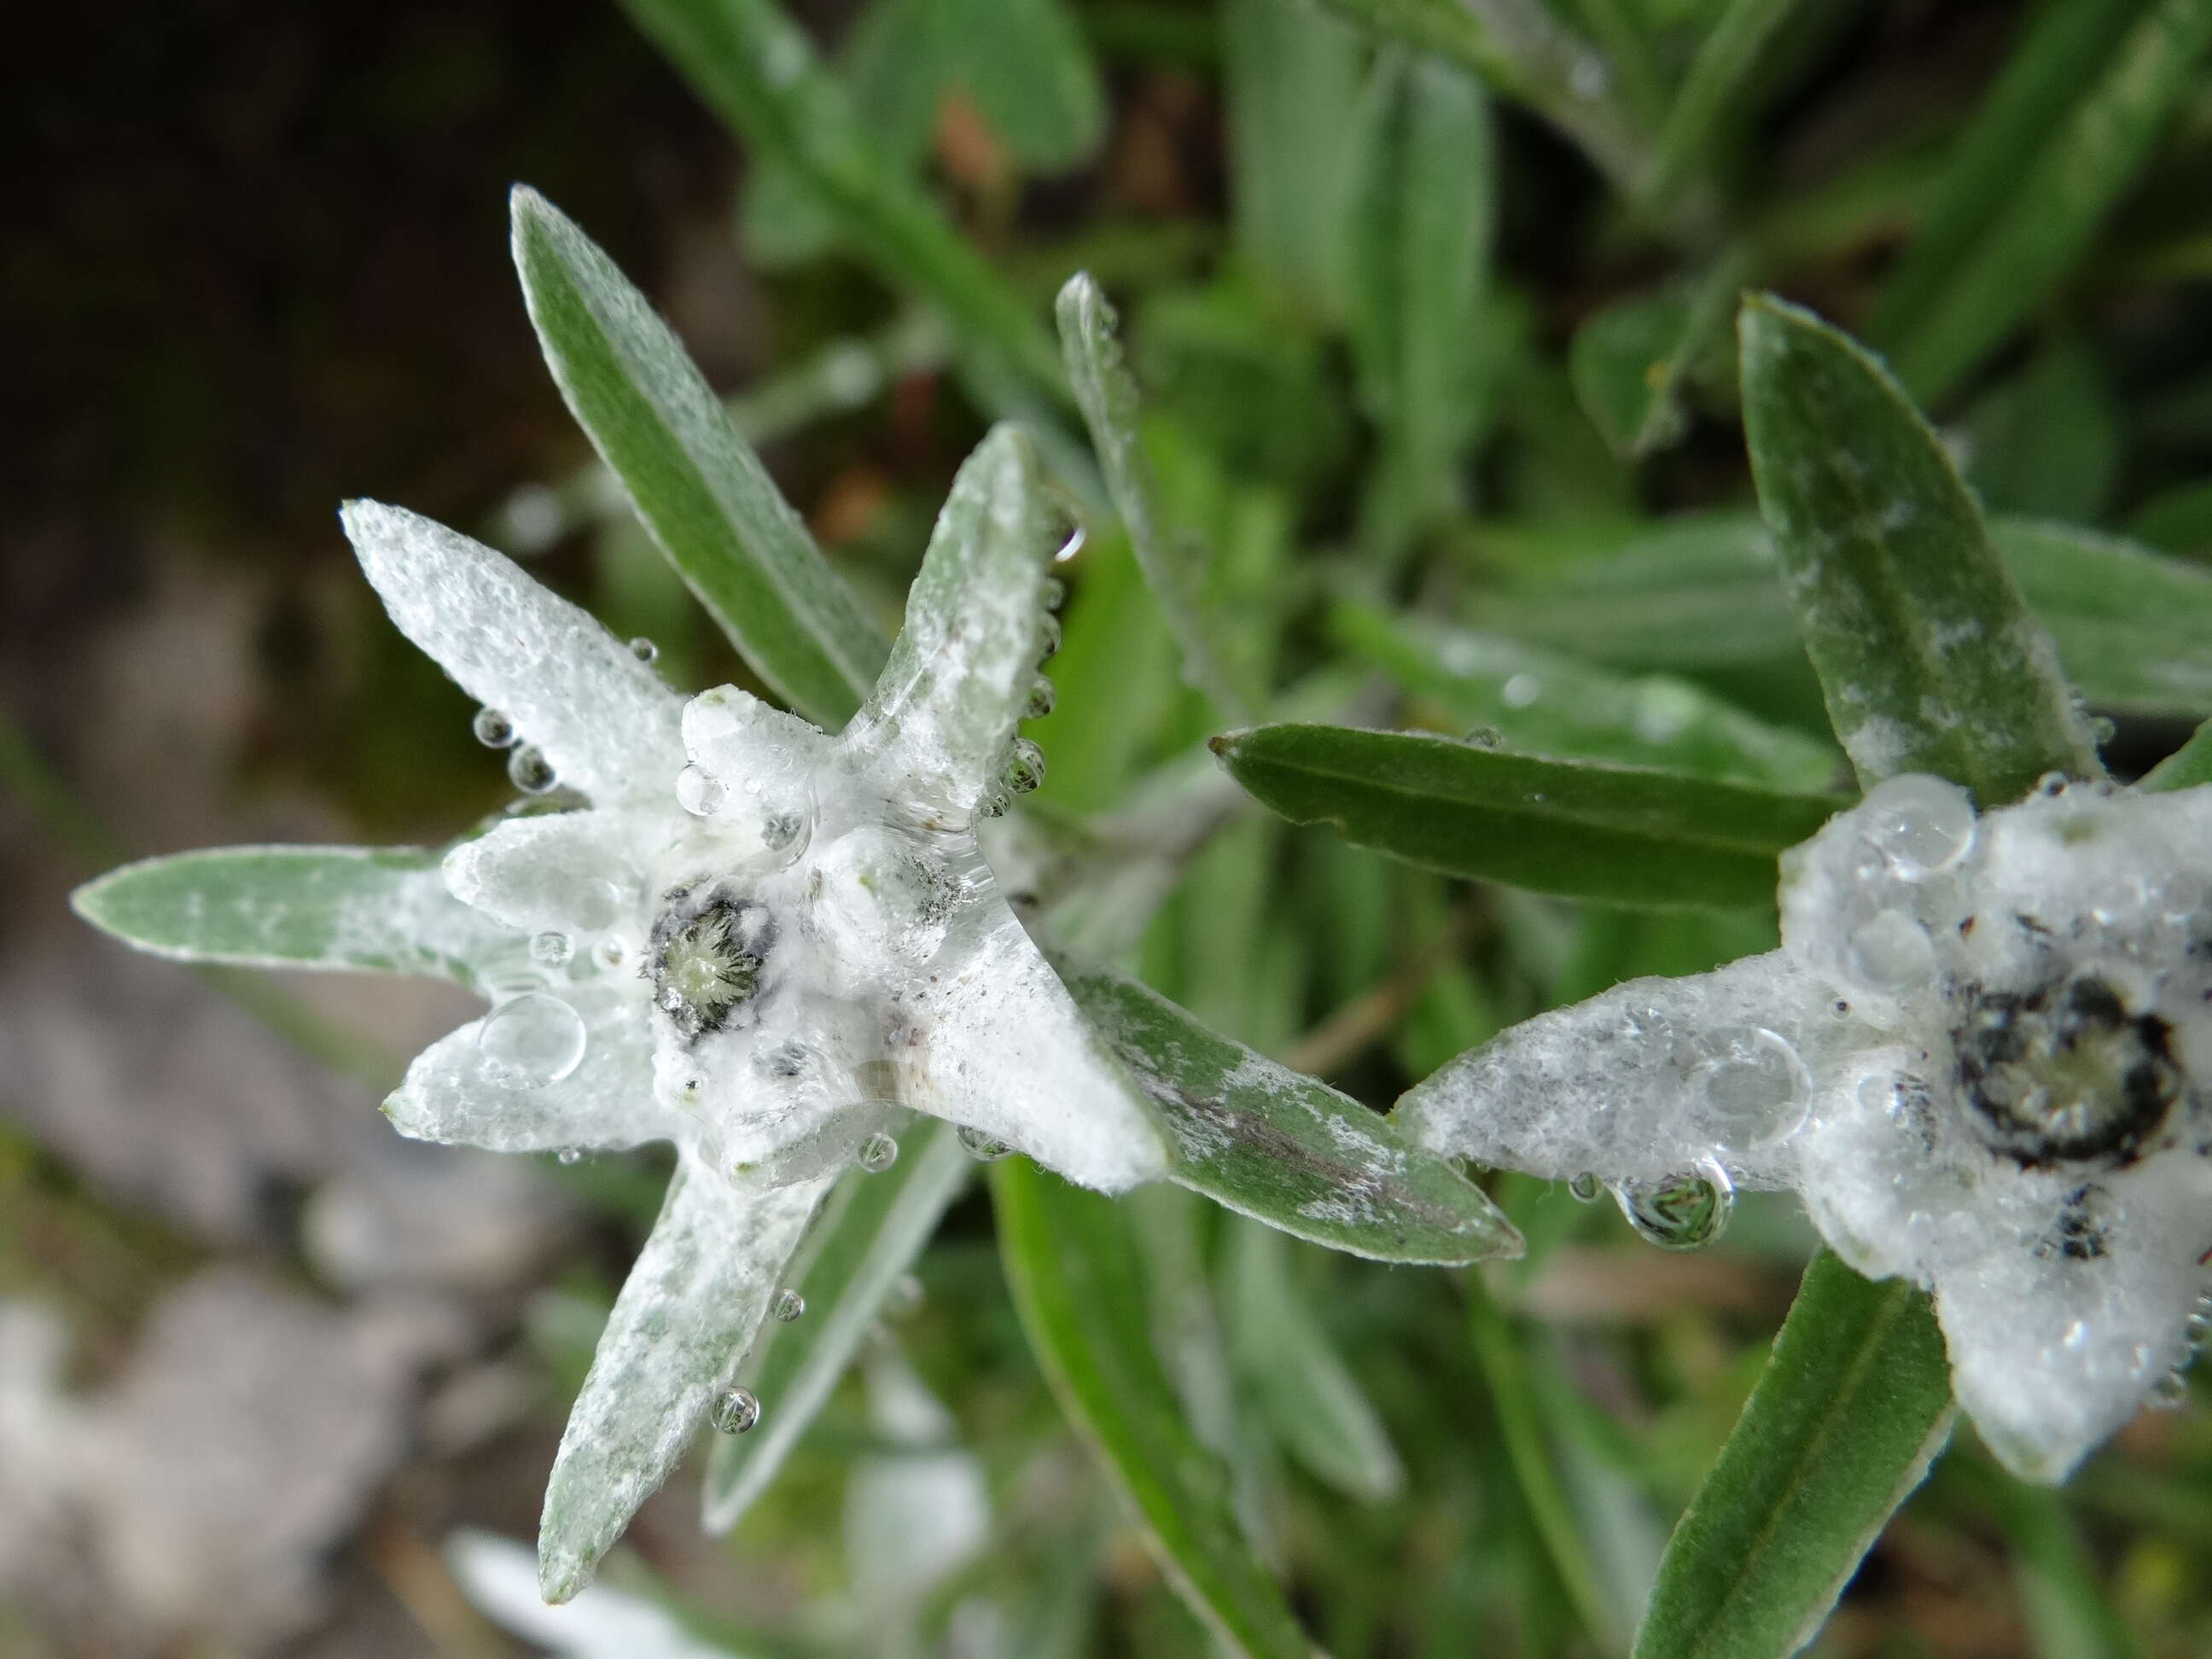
(709,952)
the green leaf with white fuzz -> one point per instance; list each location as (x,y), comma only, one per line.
(698,486)
(1928,657)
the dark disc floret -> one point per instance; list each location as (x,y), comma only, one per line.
(709,954)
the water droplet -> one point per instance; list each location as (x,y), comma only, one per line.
(595,903)
(983,1147)
(643,649)
(787,1306)
(2051,783)
(903,1297)
(1520,690)
(1040,699)
(551,948)
(2170,1393)
(1922,825)
(734,1411)
(1053,592)
(1679,1212)
(1755,1090)
(1484,736)
(1585,1188)
(1077,533)
(1893,952)
(699,793)
(530,771)
(1025,767)
(877,1153)
(2076,1335)
(1048,637)
(608,953)
(995,805)
(493,729)
(569,1154)
(532,1040)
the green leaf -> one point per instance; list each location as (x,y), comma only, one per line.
(2130,624)
(1026,65)
(697,485)
(1712,91)
(1072,1263)
(2177,520)
(1108,395)
(1628,361)
(757,69)
(2186,766)
(1280,1147)
(870,1230)
(367,910)
(1851,1409)
(1310,1400)
(1630,834)
(1541,700)
(2047,442)
(1421,203)
(1927,658)
(2040,163)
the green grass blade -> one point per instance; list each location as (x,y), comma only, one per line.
(1309,1399)
(757,69)
(697,485)
(1548,703)
(1280,1147)
(1851,1411)
(1712,91)
(2130,624)
(2187,766)
(1585,830)
(1071,1262)
(364,909)
(871,1229)
(2052,147)
(1108,395)
(1928,657)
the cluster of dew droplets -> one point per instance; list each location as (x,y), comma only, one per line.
(527,769)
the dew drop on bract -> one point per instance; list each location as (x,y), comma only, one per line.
(569,1154)
(982,1146)
(1042,699)
(734,1411)
(1755,1090)
(551,948)
(1025,767)
(1484,736)
(530,771)
(995,805)
(700,793)
(643,649)
(787,1306)
(1920,824)
(1048,636)
(1072,545)
(532,1040)
(2170,1393)
(877,1153)
(493,729)
(1585,1188)
(1681,1211)
(1053,592)
(1893,952)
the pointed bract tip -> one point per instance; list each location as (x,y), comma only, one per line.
(561,1577)
(1221,743)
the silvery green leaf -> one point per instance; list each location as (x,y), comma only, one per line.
(604,720)
(688,1312)
(1280,1147)
(698,486)
(1928,657)
(367,909)
(938,722)
(872,1227)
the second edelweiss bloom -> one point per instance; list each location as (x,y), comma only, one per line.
(758,940)
(1982,1055)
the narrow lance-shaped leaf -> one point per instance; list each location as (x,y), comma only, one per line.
(1310,1399)
(1108,395)
(1845,1420)
(698,486)
(1280,1147)
(2039,165)
(1927,658)
(1553,704)
(869,1234)
(1584,829)
(1072,1263)
(756,69)
(1712,89)
(361,909)
(684,1319)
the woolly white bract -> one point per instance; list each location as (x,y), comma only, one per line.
(733,931)
(1982,1056)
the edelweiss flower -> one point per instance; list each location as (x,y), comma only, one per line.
(758,941)
(1984,1056)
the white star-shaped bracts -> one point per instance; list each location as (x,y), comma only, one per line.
(1982,1056)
